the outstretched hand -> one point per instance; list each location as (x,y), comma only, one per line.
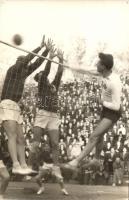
(49,44)
(60,54)
(52,53)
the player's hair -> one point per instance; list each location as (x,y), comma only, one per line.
(106,60)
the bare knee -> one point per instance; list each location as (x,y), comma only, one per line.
(11,134)
(10,129)
(20,139)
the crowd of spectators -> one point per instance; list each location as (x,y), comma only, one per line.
(80,108)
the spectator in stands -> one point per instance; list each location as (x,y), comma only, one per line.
(118,169)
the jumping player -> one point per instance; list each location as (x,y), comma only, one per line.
(111,112)
(47,117)
(9,109)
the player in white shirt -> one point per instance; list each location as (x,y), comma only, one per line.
(111,102)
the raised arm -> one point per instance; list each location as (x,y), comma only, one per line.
(48,65)
(91,72)
(46,71)
(57,79)
(30,56)
(32,67)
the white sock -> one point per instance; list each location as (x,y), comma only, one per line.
(16,164)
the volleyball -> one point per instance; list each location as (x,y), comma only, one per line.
(17,39)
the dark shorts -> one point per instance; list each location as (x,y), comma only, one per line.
(111,114)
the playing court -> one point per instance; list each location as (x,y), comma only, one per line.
(27,191)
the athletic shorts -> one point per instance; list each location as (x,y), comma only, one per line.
(45,119)
(9,110)
(2,165)
(47,166)
(45,169)
(111,114)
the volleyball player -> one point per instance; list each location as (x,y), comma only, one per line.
(9,110)
(111,102)
(46,170)
(47,117)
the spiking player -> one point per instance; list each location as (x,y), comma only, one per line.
(111,102)
(9,109)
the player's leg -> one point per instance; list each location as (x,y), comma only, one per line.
(40,182)
(113,116)
(39,125)
(53,132)
(10,127)
(102,127)
(96,160)
(21,150)
(54,140)
(5,177)
(21,145)
(36,140)
(62,186)
(38,131)
(99,147)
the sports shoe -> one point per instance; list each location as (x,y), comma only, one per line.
(23,170)
(64,191)
(30,171)
(19,170)
(41,190)
(56,172)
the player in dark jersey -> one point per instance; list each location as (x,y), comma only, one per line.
(47,117)
(9,109)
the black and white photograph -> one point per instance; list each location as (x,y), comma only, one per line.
(64,99)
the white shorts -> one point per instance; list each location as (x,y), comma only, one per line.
(47,166)
(2,165)
(10,110)
(45,119)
